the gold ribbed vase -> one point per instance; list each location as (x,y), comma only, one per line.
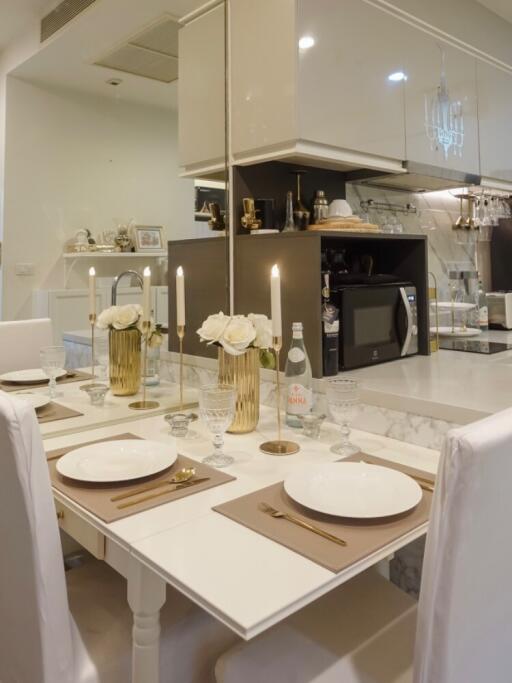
(243,372)
(124,357)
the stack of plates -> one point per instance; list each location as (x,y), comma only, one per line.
(353,489)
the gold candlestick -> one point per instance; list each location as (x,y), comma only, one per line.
(279,446)
(181,335)
(90,385)
(144,405)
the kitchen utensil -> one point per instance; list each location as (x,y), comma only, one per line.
(150,496)
(181,476)
(277,514)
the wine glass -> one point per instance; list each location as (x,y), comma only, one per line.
(343,399)
(217,408)
(53,360)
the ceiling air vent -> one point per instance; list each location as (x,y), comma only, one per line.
(61,15)
(152,53)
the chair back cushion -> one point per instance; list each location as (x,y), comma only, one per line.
(35,638)
(21,341)
(465,611)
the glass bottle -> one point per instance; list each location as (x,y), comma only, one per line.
(289,224)
(300,213)
(298,379)
(483,311)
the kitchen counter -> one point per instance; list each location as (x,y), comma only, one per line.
(454,386)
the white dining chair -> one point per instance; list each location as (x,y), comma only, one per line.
(368,631)
(42,640)
(21,341)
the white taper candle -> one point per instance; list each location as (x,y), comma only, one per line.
(180,297)
(275,301)
(146,295)
(92,291)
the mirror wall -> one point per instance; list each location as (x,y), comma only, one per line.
(92,157)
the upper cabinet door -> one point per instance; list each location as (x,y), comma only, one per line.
(345,96)
(440,104)
(495,118)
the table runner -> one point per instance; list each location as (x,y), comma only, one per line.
(55,411)
(363,537)
(96,498)
(71,376)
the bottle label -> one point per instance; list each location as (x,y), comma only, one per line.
(300,399)
(483,315)
(332,328)
(296,355)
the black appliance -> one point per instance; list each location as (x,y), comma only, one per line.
(378,323)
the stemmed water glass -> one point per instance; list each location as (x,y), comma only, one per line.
(53,360)
(343,399)
(217,408)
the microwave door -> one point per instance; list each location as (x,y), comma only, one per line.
(405,322)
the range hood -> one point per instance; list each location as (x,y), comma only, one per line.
(416,178)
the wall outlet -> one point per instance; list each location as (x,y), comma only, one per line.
(24,269)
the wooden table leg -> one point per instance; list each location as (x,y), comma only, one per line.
(146,596)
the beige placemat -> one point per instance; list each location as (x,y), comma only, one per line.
(97,499)
(363,537)
(71,376)
(55,411)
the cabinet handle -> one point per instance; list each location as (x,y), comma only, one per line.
(60,514)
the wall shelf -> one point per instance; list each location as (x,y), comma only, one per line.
(114,254)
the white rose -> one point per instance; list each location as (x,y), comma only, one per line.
(263,327)
(238,335)
(106,318)
(125,316)
(213,327)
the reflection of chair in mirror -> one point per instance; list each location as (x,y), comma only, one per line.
(21,340)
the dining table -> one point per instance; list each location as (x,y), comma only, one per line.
(242,578)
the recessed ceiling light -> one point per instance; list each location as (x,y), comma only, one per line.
(306,42)
(397,77)
(114,81)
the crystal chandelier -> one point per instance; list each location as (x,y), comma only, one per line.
(444,122)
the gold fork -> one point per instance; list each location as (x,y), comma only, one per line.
(150,496)
(278,514)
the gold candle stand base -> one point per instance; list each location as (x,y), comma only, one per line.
(144,405)
(279,446)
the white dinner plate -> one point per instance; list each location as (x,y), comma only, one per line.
(27,376)
(353,489)
(36,400)
(458,331)
(120,460)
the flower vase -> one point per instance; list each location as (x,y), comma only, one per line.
(242,372)
(125,366)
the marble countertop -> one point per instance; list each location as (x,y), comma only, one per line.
(454,386)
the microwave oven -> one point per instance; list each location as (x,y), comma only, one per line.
(378,323)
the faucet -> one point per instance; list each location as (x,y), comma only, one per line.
(116,282)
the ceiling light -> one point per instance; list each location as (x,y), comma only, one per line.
(114,81)
(397,76)
(306,42)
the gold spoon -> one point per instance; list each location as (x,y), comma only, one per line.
(185,474)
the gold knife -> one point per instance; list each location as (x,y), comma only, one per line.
(178,487)
(269,510)
(425,484)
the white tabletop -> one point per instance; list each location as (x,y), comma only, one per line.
(244,579)
(116,409)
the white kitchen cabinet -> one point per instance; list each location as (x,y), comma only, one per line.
(344,96)
(441,112)
(161,306)
(495,120)
(68,309)
(201,100)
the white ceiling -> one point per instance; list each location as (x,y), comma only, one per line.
(16,14)
(501,7)
(67,60)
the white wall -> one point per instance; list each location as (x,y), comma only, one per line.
(75,161)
